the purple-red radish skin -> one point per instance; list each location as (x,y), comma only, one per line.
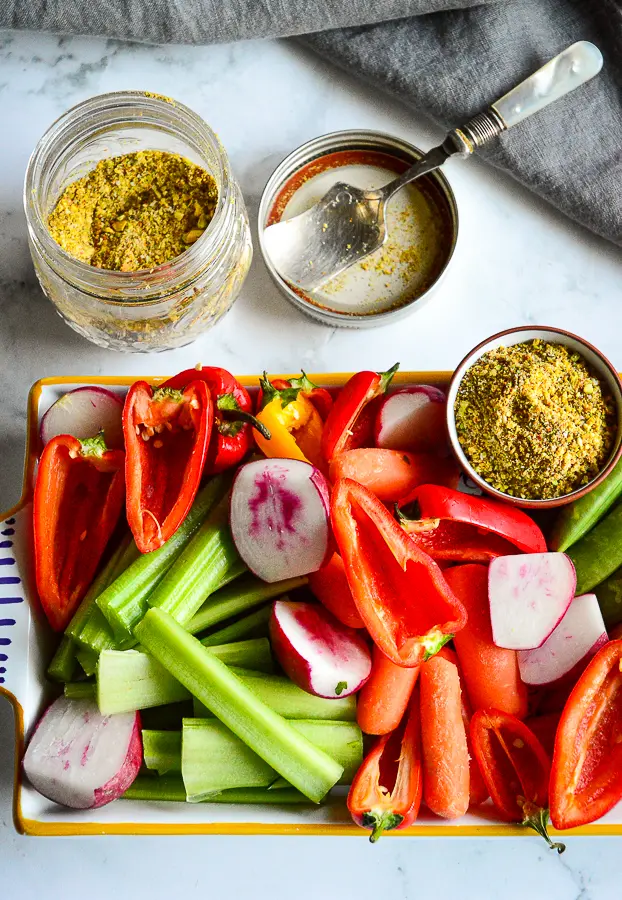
(83,413)
(579,635)
(412,419)
(529,595)
(318,653)
(280,518)
(80,759)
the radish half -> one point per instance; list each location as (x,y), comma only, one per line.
(529,595)
(280,518)
(83,413)
(319,654)
(81,759)
(579,635)
(412,419)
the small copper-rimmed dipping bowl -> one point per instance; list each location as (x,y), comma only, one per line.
(602,368)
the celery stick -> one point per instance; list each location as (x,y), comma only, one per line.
(290,701)
(124,601)
(214,759)
(63,664)
(80,690)
(171,788)
(234,571)
(87,659)
(162,750)
(123,556)
(253,654)
(273,738)
(95,632)
(128,680)
(242,595)
(253,625)
(199,569)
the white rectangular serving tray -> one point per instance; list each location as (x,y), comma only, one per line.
(27,644)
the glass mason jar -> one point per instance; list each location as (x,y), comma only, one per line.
(154,309)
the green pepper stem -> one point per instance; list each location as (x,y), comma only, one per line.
(387,377)
(239,415)
(538,819)
(379,822)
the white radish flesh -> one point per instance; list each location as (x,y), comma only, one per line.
(579,635)
(529,595)
(83,413)
(412,419)
(319,654)
(280,518)
(81,759)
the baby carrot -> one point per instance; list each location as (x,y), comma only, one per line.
(478,792)
(330,586)
(384,698)
(490,673)
(443,739)
(392,474)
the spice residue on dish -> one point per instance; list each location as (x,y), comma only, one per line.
(534,420)
(134,211)
(419,232)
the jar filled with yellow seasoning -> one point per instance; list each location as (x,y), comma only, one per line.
(137,227)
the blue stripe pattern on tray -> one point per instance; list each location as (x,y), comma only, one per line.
(8,592)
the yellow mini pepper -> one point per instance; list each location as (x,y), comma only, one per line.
(294,424)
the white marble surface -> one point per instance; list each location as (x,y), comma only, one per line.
(518,262)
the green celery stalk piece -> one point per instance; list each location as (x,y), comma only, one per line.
(253,654)
(290,701)
(122,557)
(171,788)
(599,553)
(162,750)
(128,680)
(80,690)
(63,664)
(95,632)
(87,659)
(237,598)
(199,569)
(238,568)
(214,759)
(124,602)
(575,519)
(253,625)
(272,737)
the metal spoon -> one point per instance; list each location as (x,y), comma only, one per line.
(348,223)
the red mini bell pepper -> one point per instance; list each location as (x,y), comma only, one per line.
(350,423)
(232,435)
(167,434)
(386,791)
(318,396)
(515,767)
(78,499)
(586,778)
(454,526)
(400,592)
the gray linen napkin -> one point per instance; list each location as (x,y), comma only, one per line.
(448,58)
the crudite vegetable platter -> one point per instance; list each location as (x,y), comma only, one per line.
(277,604)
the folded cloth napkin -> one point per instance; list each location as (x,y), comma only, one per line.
(447,58)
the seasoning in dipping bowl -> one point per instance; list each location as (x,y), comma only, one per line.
(534,419)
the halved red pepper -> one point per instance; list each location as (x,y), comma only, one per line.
(400,592)
(78,499)
(232,435)
(386,791)
(350,422)
(515,767)
(319,396)
(167,434)
(586,778)
(454,526)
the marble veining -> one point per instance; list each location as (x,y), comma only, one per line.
(518,262)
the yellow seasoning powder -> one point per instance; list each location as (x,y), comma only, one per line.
(134,211)
(535,420)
